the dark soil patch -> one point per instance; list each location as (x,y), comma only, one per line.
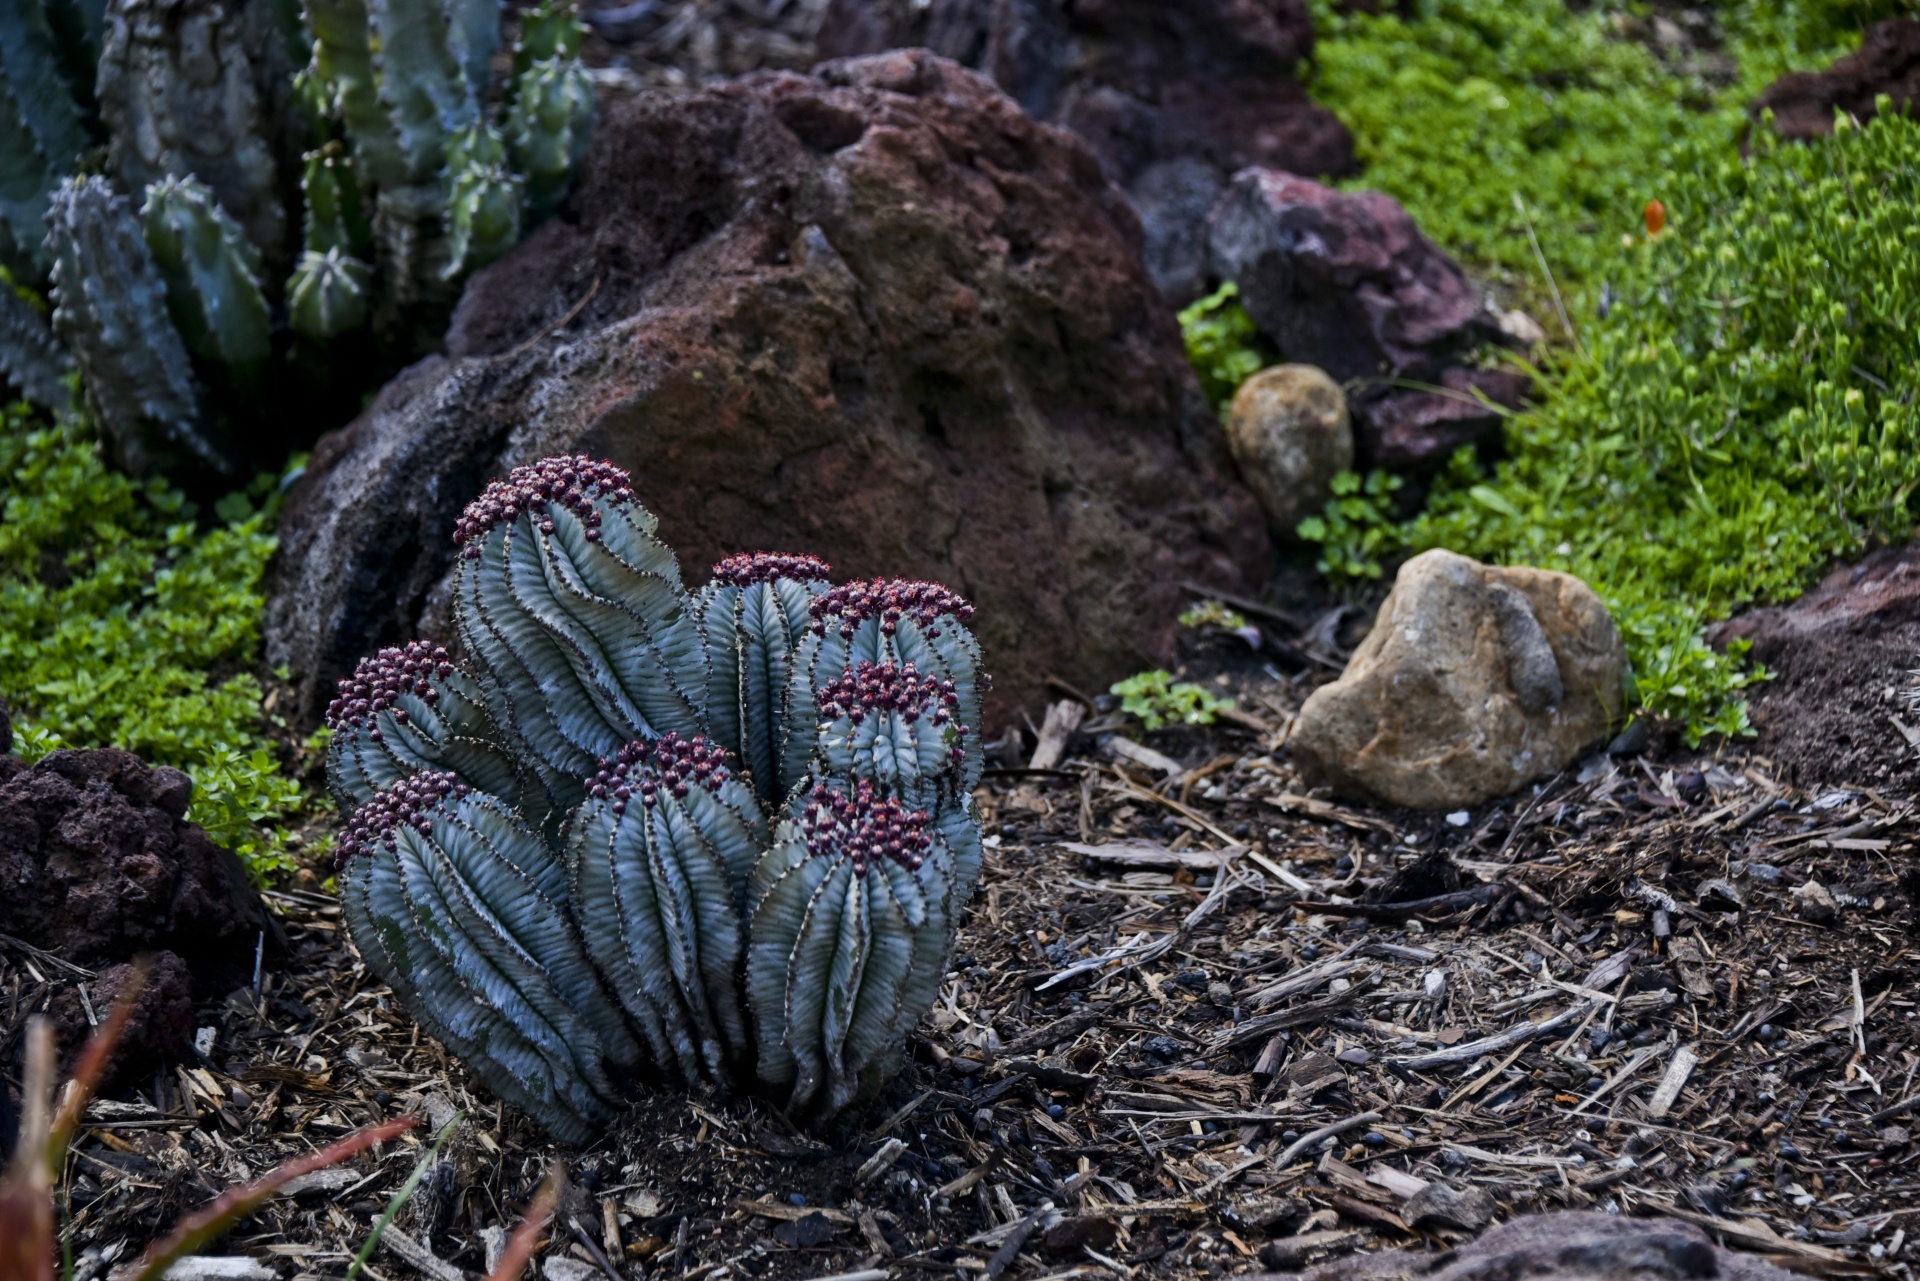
(1835,710)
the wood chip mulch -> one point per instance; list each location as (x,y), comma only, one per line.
(1200,1021)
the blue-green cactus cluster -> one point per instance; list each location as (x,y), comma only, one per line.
(182,128)
(716,838)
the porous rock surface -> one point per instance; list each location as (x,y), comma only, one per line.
(97,864)
(877,314)
(159,1027)
(1288,430)
(1887,62)
(1843,659)
(1346,281)
(1474,681)
(1572,1245)
(1173,98)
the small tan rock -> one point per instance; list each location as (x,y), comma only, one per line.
(1474,681)
(1289,431)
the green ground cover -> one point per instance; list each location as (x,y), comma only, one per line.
(125,622)
(1733,406)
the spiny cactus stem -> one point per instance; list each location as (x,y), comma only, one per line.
(572,482)
(890,600)
(864,828)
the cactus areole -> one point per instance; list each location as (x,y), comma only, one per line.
(640,835)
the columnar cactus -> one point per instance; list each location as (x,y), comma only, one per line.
(759,795)
(412,182)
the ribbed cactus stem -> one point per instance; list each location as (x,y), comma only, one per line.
(751,616)
(548,128)
(573,606)
(110,308)
(409,709)
(476,37)
(327,296)
(831,948)
(550,29)
(422,84)
(212,273)
(41,133)
(343,57)
(483,219)
(30,357)
(886,722)
(664,845)
(336,218)
(460,905)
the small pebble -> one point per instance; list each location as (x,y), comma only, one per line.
(1055,1111)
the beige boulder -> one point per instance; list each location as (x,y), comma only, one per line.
(1288,429)
(1474,681)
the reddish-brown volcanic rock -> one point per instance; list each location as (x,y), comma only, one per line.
(159,1027)
(1843,658)
(97,864)
(1887,62)
(1173,98)
(877,314)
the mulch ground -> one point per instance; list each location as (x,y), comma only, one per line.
(1200,1021)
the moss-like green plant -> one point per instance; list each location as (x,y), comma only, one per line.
(115,607)
(1356,529)
(1222,343)
(719,837)
(1158,700)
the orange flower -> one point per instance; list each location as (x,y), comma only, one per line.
(1656,218)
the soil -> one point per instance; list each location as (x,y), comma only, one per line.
(1842,707)
(1614,992)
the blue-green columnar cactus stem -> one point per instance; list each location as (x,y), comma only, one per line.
(423,84)
(409,710)
(30,357)
(891,621)
(483,219)
(550,29)
(574,608)
(212,273)
(548,128)
(327,296)
(663,846)
(771,907)
(110,308)
(888,723)
(476,37)
(838,902)
(41,132)
(463,910)
(336,216)
(752,615)
(343,59)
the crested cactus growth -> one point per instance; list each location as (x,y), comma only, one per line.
(759,795)
(412,181)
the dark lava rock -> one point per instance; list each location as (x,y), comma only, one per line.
(159,1027)
(877,314)
(1443,1205)
(1345,281)
(1574,1245)
(97,864)
(1173,98)
(6,730)
(1887,62)
(1843,660)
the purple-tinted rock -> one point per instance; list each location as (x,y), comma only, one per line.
(1411,430)
(1344,280)
(1887,62)
(98,864)
(1173,98)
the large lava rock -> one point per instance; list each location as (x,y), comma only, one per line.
(877,314)
(1174,98)
(1573,1245)
(1887,62)
(1475,680)
(97,865)
(1346,281)
(1843,706)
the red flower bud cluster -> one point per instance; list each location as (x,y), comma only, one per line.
(573,482)
(885,687)
(669,762)
(864,828)
(749,568)
(378,682)
(889,600)
(406,802)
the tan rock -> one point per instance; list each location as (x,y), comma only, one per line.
(1288,429)
(1474,681)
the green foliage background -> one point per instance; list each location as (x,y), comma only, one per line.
(125,623)
(1737,407)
